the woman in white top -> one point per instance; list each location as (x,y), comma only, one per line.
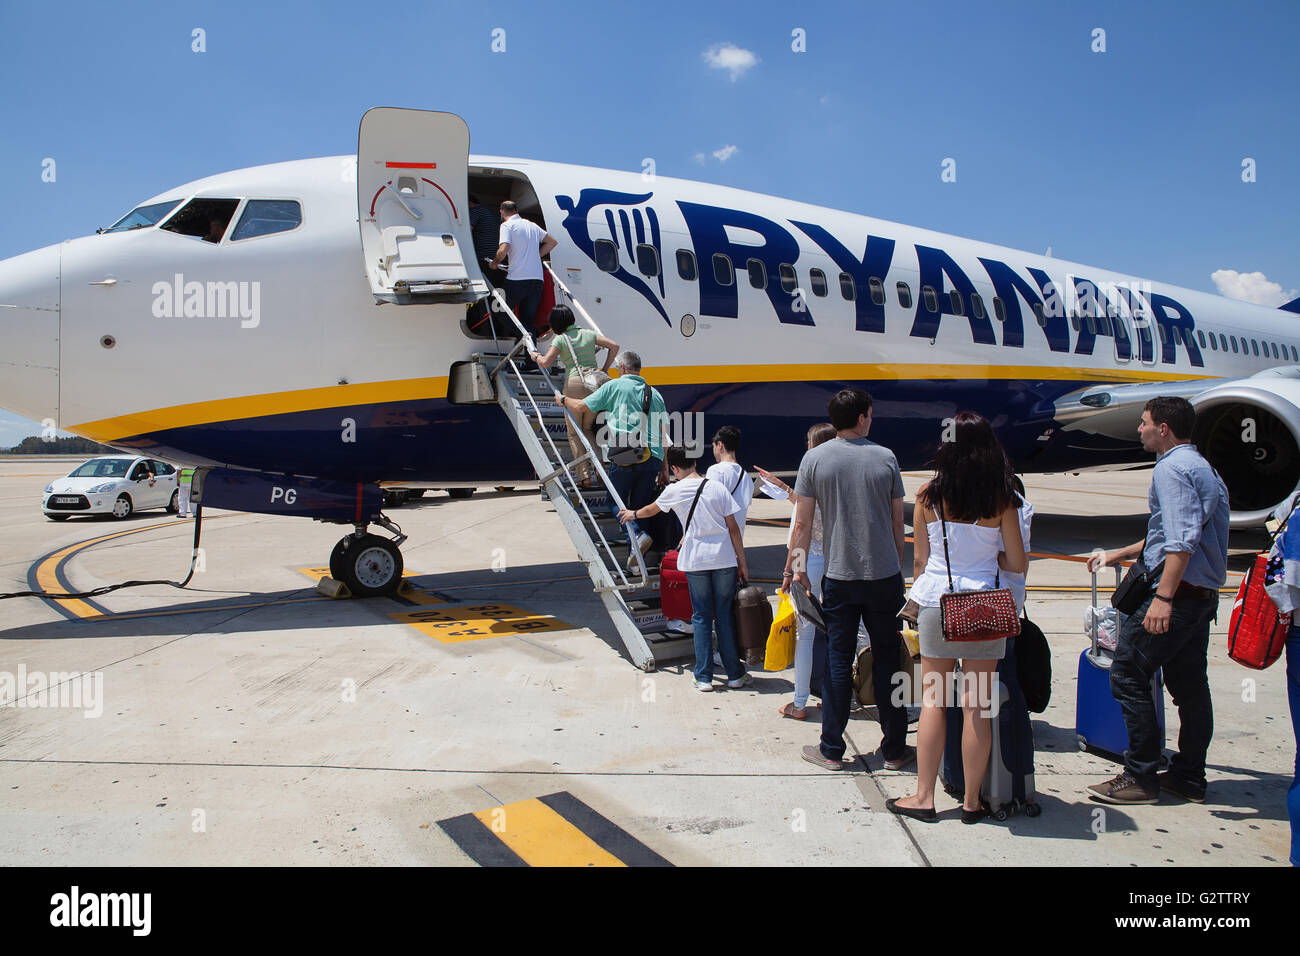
(805,632)
(972,500)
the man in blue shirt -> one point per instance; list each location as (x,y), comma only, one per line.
(1188,532)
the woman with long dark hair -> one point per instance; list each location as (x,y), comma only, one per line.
(971,503)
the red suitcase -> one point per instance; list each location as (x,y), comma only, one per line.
(674,595)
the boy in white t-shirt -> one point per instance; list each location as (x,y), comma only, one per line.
(730,472)
(713,557)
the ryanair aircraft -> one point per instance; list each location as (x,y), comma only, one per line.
(298,328)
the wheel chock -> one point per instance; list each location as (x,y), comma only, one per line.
(406,587)
(332,588)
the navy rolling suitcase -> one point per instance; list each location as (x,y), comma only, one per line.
(1098,720)
(1009,781)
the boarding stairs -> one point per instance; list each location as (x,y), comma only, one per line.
(627,587)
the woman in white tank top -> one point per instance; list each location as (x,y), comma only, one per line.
(971,497)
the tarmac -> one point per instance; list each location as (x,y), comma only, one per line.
(491,716)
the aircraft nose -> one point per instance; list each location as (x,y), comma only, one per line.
(29,331)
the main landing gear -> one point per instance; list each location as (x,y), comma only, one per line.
(368,564)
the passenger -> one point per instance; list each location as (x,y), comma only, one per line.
(972,503)
(1288,550)
(1187,536)
(728,471)
(805,632)
(485,230)
(581,375)
(525,243)
(713,557)
(860,490)
(622,400)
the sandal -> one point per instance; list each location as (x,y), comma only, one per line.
(793,712)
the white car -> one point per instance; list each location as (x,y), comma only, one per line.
(114,485)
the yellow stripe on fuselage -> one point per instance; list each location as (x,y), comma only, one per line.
(374,393)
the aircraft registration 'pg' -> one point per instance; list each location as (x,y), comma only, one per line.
(208,300)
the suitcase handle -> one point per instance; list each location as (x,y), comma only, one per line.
(1094,605)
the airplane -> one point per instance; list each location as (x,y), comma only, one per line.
(300,331)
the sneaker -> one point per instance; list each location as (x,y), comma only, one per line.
(705,686)
(813,754)
(1125,789)
(902,761)
(744,680)
(1187,789)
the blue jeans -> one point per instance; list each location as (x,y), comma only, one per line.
(711,594)
(635,484)
(1181,653)
(1293,698)
(876,605)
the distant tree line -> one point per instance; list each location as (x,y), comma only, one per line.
(36,445)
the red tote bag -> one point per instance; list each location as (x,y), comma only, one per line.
(1257,630)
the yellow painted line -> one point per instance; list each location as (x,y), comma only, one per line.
(47,579)
(255,406)
(541,837)
(371,393)
(454,625)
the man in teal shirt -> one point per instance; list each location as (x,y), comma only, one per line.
(622,400)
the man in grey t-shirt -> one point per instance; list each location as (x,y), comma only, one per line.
(859,489)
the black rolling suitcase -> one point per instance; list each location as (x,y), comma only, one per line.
(1009,781)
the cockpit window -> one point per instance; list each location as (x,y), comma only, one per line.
(142,217)
(262,217)
(205,218)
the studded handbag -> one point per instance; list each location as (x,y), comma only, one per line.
(986,615)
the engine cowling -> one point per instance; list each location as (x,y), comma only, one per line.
(1249,430)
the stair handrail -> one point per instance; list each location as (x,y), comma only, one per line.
(557,458)
(576,305)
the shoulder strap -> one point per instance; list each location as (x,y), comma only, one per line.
(572,354)
(691,513)
(645,401)
(739,478)
(946,560)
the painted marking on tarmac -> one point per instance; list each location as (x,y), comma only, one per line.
(48,573)
(453,625)
(555,830)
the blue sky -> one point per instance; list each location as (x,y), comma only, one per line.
(1127,159)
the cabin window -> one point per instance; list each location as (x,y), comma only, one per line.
(723,271)
(877,290)
(757,273)
(904,295)
(1275,355)
(930,298)
(1223,342)
(686,264)
(848,288)
(977,305)
(817,279)
(999,308)
(1074,321)
(789,280)
(205,219)
(265,217)
(142,217)
(1233,340)
(606,256)
(955,300)
(1214,343)
(647,260)
(1254,346)
(1294,356)
(1039,317)
(1201,337)
(1091,324)
(1164,333)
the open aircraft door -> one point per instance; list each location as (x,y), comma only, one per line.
(413,207)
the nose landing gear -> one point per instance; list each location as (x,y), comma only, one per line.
(367,563)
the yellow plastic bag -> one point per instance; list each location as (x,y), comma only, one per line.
(780,639)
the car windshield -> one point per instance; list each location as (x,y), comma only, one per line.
(102,468)
(142,217)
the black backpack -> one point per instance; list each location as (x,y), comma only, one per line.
(1034,665)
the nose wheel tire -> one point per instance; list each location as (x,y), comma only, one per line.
(122,507)
(368,565)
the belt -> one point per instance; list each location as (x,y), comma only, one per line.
(1198,594)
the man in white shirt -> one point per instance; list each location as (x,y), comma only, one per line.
(713,557)
(525,243)
(729,472)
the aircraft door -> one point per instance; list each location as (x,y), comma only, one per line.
(413,207)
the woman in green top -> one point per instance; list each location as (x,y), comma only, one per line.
(576,350)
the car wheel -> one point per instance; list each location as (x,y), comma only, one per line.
(174,506)
(58,517)
(460,492)
(122,507)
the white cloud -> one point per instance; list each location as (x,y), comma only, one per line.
(727,56)
(725,153)
(701,158)
(1250,287)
